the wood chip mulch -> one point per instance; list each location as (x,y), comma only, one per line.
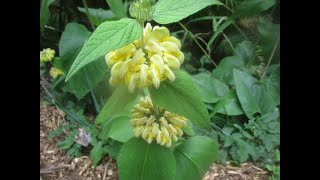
(56,165)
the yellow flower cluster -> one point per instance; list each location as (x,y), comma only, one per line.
(157,124)
(138,68)
(47,55)
(55,72)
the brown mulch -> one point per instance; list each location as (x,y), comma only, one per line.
(56,165)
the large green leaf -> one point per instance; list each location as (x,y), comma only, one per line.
(44,13)
(246,51)
(269,34)
(224,72)
(71,42)
(118,8)
(108,36)
(169,11)
(119,128)
(182,97)
(273,85)
(194,157)
(246,97)
(87,78)
(228,105)
(98,16)
(72,39)
(252,7)
(116,104)
(139,160)
(210,88)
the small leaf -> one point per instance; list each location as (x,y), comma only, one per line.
(188,129)
(194,157)
(139,160)
(117,8)
(55,133)
(74,151)
(108,36)
(68,142)
(246,51)
(115,104)
(169,11)
(96,153)
(182,97)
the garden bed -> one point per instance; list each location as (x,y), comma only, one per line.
(56,165)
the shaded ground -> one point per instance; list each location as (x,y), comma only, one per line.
(56,165)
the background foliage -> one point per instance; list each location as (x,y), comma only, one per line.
(232,52)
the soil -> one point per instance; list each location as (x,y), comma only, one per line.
(56,165)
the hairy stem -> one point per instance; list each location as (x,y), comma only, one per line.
(88,14)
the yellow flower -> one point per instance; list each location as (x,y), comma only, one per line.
(55,72)
(46,55)
(156,124)
(135,68)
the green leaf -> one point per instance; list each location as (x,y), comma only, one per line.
(188,129)
(139,160)
(210,88)
(246,51)
(117,8)
(119,128)
(96,153)
(72,39)
(269,34)
(228,105)
(112,149)
(273,85)
(224,72)
(169,11)
(87,78)
(222,156)
(98,16)
(44,13)
(219,30)
(182,97)
(252,7)
(277,155)
(270,140)
(115,104)
(68,142)
(194,157)
(245,96)
(55,133)
(74,151)
(108,36)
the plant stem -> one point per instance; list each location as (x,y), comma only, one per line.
(142,40)
(228,40)
(197,42)
(271,56)
(88,14)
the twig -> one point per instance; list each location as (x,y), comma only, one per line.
(271,56)
(197,42)
(53,169)
(105,171)
(88,14)
(228,40)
